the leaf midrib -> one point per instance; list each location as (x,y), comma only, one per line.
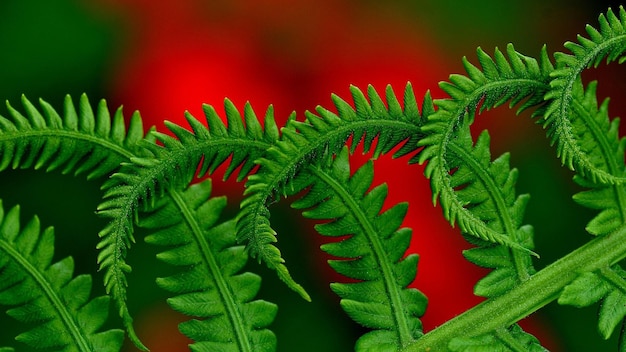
(53,133)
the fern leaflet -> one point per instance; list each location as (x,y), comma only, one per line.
(606,284)
(306,142)
(209,287)
(609,43)
(487,189)
(46,293)
(82,142)
(373,253)
(503,340)
(517,79)
(79,141)
(600,138)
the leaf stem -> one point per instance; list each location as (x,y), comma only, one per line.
(526,298)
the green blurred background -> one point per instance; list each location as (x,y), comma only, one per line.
(53,48)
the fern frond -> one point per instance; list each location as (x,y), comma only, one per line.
(520,80)
(486,190)
(304,143)
(172,165)
(47,294)
(372,253)
(607,285)
(610,43)
(210,285)
(79,142)
(599,136)
(503,340)
(243,139)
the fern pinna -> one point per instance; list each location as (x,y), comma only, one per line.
(373,252)
(47,293)
(304,143)
(210,287)
(146,181)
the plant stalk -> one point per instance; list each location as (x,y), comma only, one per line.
(529,296)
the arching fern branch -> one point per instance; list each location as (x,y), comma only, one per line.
(80,142)
(45,293)
(210,286)
(173,165)
(609,43)
(303,143)
(520,80)
(372,253)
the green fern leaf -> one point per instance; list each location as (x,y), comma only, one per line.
(599,137)
(598,158)
(243,140)
(486,189)
(505,340)
(174,164)
(45,293)
(607,285)
(306,142)
(372,254)
(520,80)
(609,43)
(210,286)
(79,142)
(510,268)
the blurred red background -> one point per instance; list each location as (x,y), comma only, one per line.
(167,57)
